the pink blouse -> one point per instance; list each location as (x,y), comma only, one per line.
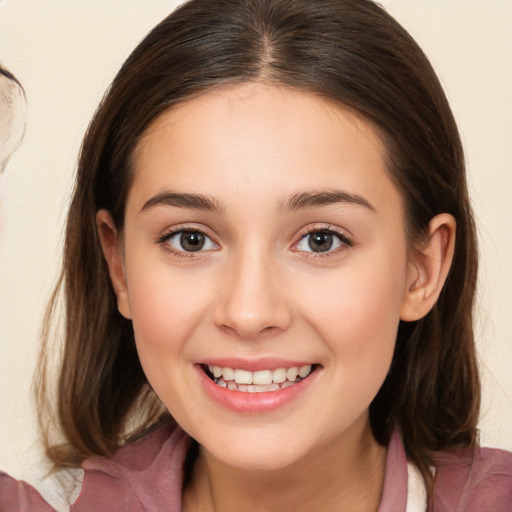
(147,476)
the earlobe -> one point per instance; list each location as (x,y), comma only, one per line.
(429,266)
(112,252)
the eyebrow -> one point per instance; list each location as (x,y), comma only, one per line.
(298,201)
(183,200)
(315,198)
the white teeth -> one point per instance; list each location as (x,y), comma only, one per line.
(243,377)
(259,381)
(279,375)
(262,389)
(291,373)
(228,373)
(263,378)
(250,388)
(304,371)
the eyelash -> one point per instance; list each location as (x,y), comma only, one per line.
(164,239)
(345,242)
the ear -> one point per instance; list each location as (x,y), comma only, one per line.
(428,268)
(112,250)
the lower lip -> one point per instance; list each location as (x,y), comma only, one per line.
(255,403)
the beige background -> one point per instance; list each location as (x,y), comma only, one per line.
(65,52)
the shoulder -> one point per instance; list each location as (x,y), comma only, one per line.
(18,495)
(143,475)
(477,480)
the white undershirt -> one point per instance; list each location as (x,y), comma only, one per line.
(416,490)
(61,488)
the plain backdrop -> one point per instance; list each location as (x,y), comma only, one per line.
(65,52)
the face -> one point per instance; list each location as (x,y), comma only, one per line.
(264,264)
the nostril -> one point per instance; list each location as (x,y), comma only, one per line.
(248,333)
(269,330)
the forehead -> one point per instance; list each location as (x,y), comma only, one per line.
(259,137)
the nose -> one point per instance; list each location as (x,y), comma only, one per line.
(253,299)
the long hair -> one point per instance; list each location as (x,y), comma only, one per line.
(350,51)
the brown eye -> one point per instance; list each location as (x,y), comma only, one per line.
(189,241)
(192,241)
(320,241)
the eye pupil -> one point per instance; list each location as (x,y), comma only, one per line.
(192,241)
(320,241)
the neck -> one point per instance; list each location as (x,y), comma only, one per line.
(346,473)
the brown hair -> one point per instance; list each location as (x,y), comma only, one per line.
(350,51)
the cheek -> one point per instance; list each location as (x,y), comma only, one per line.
(359,297)
(356,310)
(166,310)
(166,307)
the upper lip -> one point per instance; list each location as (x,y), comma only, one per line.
(253,365)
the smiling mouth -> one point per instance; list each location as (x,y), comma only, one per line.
(260,381)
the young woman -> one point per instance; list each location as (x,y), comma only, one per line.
(269,275)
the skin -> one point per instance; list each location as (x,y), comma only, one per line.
(258,290)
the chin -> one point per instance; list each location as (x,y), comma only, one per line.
(257,451)
(258,459)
